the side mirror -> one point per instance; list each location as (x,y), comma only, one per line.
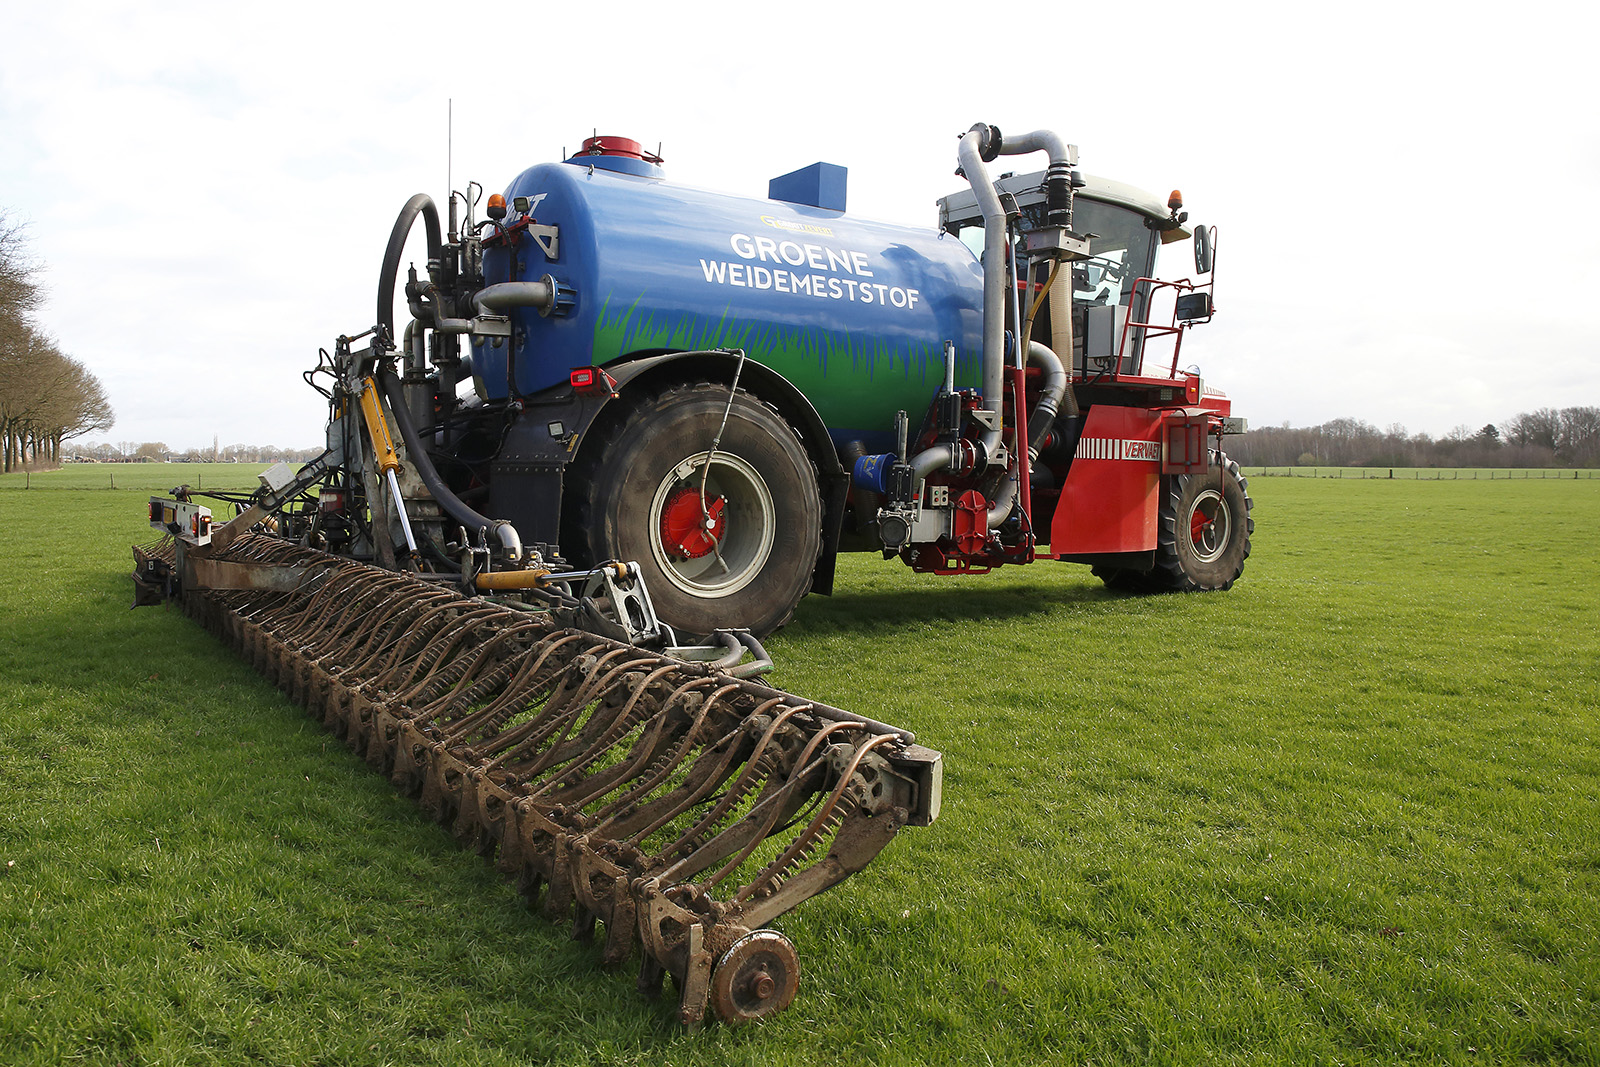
(1202,249)
(1192,306)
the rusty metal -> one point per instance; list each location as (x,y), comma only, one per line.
(677,805)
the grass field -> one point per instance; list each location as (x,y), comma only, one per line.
(1430,474)
(1348,812)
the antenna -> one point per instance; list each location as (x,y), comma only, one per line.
(449,160)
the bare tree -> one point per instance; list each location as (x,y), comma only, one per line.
(1580,435)
(1541,428)
(46,397)
(19,292)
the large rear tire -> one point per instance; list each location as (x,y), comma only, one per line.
(742,557)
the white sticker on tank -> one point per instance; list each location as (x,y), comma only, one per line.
(805,269)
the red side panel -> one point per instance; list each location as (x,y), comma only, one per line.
(1110,501)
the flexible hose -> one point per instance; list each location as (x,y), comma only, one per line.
(453,505)
(421,204)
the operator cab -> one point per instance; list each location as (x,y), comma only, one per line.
(1125,226)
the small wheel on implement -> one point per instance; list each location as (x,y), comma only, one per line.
(755,978)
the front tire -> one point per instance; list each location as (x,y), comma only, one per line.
(740,557)
(1203,537)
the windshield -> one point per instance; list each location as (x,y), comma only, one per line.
(1122,250)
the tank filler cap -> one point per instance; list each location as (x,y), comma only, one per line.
(622,155)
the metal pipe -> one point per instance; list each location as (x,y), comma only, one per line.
(400,512)
(930,460)
(415,348)
(1038,141)
(506,295)
(969,153)
(497,298)
(1040,420)
(1053,389)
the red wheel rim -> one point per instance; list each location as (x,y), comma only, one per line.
(1210,526)
(685,531)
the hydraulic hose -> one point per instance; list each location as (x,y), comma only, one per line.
(453,505)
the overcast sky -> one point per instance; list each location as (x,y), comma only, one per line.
(1400,188)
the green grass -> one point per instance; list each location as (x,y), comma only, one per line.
(1344,813)
(1429,474)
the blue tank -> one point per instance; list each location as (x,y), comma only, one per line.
(855,313)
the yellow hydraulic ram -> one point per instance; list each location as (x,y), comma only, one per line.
(384,451)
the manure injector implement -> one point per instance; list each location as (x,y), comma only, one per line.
(627,426)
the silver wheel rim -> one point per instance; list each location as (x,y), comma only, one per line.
(752,526)
(1209,526)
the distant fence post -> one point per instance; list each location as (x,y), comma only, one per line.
(113,478)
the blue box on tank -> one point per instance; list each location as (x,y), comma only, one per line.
(819,185)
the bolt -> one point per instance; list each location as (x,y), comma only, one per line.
(762,985)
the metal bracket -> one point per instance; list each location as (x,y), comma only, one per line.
(548,238)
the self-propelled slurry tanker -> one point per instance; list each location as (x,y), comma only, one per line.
(623,412)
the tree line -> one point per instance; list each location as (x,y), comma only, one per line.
(1569,437)
(158,452)
(46,396)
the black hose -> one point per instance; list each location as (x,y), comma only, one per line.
(421,204)
(453,505)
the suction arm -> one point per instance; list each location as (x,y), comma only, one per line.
(421,204)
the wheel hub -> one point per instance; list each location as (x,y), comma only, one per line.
(688,532)
(757,977)
(1209,526)
(721,550)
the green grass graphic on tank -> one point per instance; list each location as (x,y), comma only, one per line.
(855,385)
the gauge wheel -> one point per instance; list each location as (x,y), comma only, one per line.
(757,977)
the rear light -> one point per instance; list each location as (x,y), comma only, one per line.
(592,380)
(331,501)
(1191,389)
